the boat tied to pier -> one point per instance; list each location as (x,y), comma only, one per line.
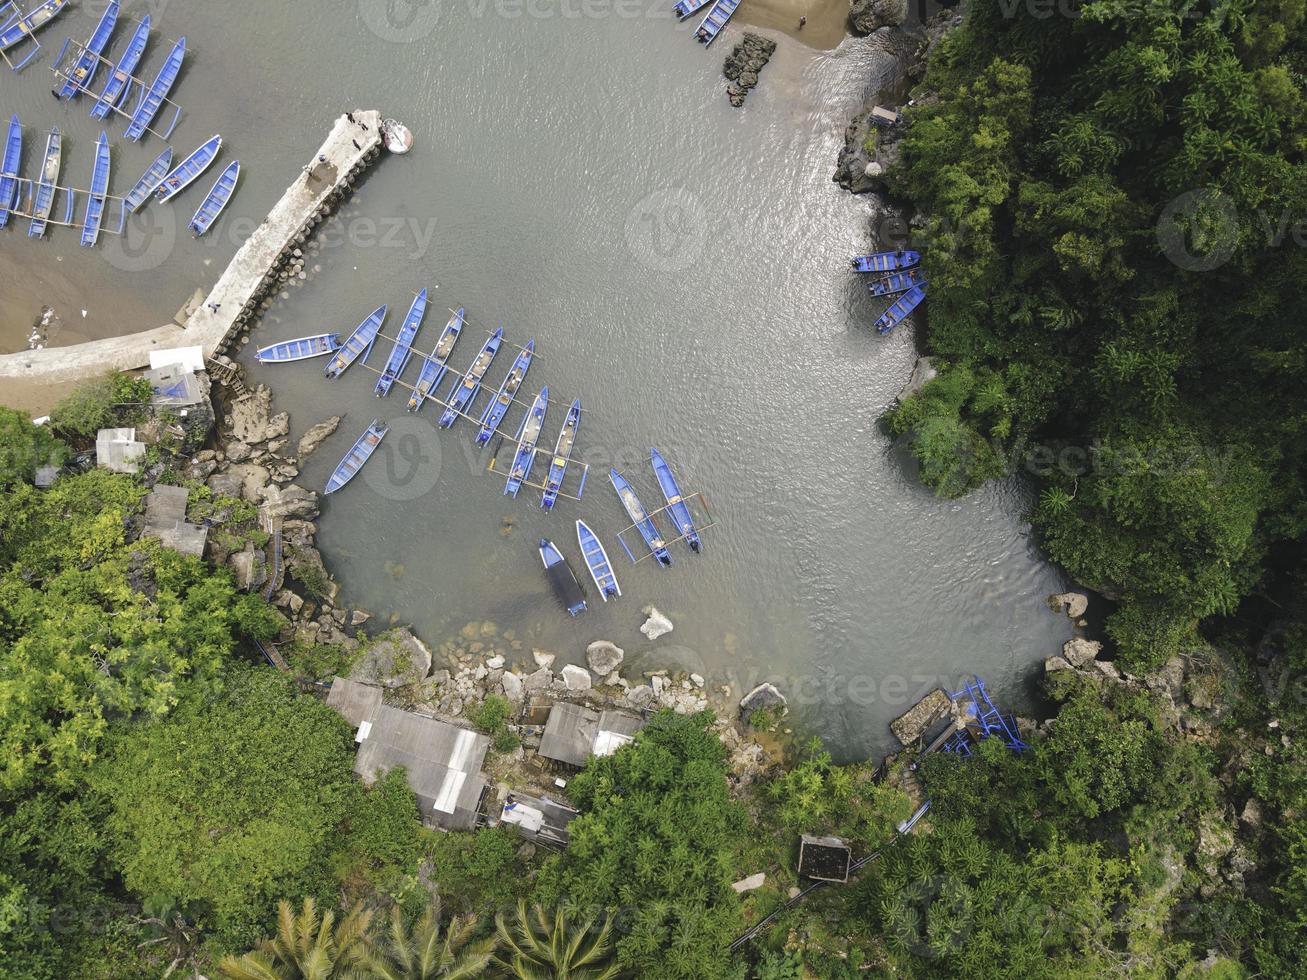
(214,202)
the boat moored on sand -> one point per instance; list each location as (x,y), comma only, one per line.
(562,578)
(358,454)
(9,164)
(43,201)
(596,560)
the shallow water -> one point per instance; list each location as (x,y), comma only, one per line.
(684,268)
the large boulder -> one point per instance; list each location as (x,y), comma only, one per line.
(314,438)
(917,720)
(225,484)
(539,680)
(656,625)
(251,418)
(1073,604)
(762,696)
(1078,651)
(293,501)
(513,688)
(604,657)
(396,658)
(577,678)
(869,15)
(253,479)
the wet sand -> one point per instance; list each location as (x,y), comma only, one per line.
(827,26)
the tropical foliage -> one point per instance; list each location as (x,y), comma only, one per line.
(540,944)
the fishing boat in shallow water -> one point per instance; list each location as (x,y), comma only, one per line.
(9,164)
(152,98)
(79,76)
(403,349)
(901,308)
(361,340)
(120,78)
(149,182)
(562,578)
(562,453)
(99,188)
(716,19)
(435,364)
(895,283)
(43,199)
(186,172)
(528,439)
(640,519)
(886,261)
(464,390)
(676,506)
(359,454)
(298,349)
(20,27)
(499,405)
(596,560)
(223,188)
(684,8)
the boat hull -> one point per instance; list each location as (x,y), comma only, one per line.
(562,456)
(120,78)
(676,506)
(640,518)
(464,390)
(359,342)
(43,201)
(79,77)
(9,165)
(436,364)
(403,349)
(189,170)
(901,308)
(152,98)
(886,261)
(596,561)
(95,201)
(149,182)
(299,349)
(359,454)
(528,438)
(562,578)
(499,405)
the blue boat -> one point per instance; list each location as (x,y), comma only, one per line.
(464,390)
(596,559)
(19,28)
(43,201)
(886,261)
(403,349)
(99,188)
(435,364)
(359,454)
(562,578)
(121,77)
(684,8)
(79,76)
(299,348)
(9,164)
(152,98)
(186,172)
(640,519)
(495,411)
(562,453)
(149,182)
(676,505)
(717,17)
(361,340)
(902,306)
(895,282)
(528,438)
(223,188)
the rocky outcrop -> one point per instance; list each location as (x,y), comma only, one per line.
(923,372)
(292,501)
(604,657)
(656,625)
(397,658)
(1079,651)
(761,697)
(1073,604)
(910,726)
(315,436)
(866,16)
(251,420)
(744,63)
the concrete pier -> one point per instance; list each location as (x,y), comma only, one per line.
(232,305)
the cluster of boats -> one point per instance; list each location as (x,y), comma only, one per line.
(713,22)
(899,275)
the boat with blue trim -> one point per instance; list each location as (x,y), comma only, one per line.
(562,578)
(79,76)
(886,261)
(149,182)
(435,364)
(359,342)
(684,8)
(120,78)
(712,24)
(640,519)
(99,188)
(358,454)
(901,308)
(152,98)
(464,390)
(298,349)
(9,164)
(19,28)
(43,200)
(403,349)
(562,453)
(186,172)
(223,188)
(676,506)
(528,439)
(499,405)
(895,283)
(596,560)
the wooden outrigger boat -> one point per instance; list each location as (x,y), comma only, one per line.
(562,578)
(359,454)
(498,407)
(359,342)
(640,519)
(403,349)
(149,182)
(901,308)
(121,77)
(223,188)
(562,454)
(716,19)
(186,172)
(464,390)
(435,364)
(676,506)
(9,164)
(684,8)
(528,439)
(298,349)
(21,27)
(886,261)
(43,197)
(78,77)
(596,560)
(99,188)
(153,98)
(895,282)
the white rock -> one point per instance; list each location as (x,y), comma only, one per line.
(542,658)
(513,687)
(604,657)
(577,678)
(657,683)
(1073,604)
(873,169)
(1078,651)
(698,679)
(656,625)
(750,883)
(496,662)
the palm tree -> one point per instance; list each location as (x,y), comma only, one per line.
(555,950)
(306,948)
(420,955)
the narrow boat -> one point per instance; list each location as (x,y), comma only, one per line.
(528,439)
(149,182)
(152,98)
(19,28)
(562,453)
(676,505)
(359,454)
(223,188)
(185,173)
(684,8)
(299,348)
(361,340)
(717,17)
(642,521)
(403,349)
(895,282)
(596,559)
(435,364)
(43,202)
(464,390)
(79,76)
(886,261)
(9,164)
(495,411)
(99,188)
(121,76)
(562,578)
(902,306)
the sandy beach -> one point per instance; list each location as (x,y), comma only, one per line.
(827,26)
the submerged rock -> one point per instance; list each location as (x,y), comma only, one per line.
(314,438)
(604,657)
(657,624)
